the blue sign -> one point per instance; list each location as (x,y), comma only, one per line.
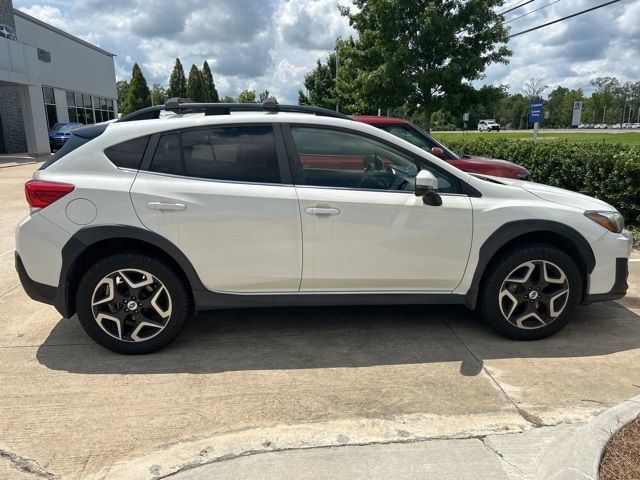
(535,111)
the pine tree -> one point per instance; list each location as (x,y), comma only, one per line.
(210,87)
(177,82)
(196,90)
(139,95)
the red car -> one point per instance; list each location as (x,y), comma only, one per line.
(472,164)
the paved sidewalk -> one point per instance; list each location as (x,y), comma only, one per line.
(13,160)
(495,457)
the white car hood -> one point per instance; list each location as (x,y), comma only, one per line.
(557,195)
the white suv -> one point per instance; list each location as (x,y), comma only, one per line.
(488,126)
(139,223)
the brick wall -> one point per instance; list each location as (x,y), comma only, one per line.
(13,135)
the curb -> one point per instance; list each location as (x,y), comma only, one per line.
(578,456)
(193,453)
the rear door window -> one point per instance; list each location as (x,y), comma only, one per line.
(243,154)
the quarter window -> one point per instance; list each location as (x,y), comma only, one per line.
(331,158)
(127,154)
(244,154)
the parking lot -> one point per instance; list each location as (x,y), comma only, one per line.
(70,409)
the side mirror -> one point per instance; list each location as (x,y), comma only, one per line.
(438,152)
(427,188)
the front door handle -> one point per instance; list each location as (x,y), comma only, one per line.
(166,206)
(322,211)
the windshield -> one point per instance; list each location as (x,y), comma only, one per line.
(418,137)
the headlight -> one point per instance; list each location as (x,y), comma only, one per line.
(612,221)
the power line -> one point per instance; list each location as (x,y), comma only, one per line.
(529,13)
(516,7)
(563,18)
(510,4)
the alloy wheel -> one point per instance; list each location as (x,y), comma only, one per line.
(534,294)
(131,305)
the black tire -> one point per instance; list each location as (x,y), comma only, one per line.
(180,303)
(489,298)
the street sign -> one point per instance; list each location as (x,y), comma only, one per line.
(465,117)
(576,118)
(535,111)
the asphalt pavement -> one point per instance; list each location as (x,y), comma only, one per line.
(329,379)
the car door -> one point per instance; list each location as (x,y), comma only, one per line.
(224,197)
(364,230)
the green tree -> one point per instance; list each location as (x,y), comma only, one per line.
(177,82)
(139,95)
(196,89)
(605,100)
(320,85)
(122,87)
(263,96)
(158,94)
(560,106)
(210,87)
(247,96)
(421,51)
(228,99)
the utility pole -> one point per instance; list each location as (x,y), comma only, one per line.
(337,66)
(604,113)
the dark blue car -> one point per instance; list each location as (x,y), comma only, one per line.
(60,132)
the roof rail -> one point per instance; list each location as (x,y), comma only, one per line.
(186,105)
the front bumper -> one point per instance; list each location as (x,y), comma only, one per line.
(620,285)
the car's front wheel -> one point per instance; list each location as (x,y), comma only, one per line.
(132,303)
(530,291)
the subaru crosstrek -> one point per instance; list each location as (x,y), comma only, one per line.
(137,224)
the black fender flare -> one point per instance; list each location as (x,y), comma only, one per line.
(88,236)
(512,230)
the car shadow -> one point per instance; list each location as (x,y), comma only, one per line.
(341,337)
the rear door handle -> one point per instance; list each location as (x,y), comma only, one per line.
(321,211)
(166,206)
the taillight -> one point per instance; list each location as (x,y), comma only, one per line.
(41,194)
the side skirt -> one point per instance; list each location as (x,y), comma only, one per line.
(207,300)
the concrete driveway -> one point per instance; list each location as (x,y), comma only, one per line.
(71,409)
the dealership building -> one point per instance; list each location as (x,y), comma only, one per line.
(48,76)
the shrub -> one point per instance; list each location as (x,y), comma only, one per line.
(610,172)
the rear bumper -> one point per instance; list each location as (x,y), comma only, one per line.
(620,285)
(37,291)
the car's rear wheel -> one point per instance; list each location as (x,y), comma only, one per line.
(530,291)
(132,303)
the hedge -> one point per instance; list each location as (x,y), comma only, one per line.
(610,172)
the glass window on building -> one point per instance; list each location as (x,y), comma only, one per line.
(88,109)
(50,106)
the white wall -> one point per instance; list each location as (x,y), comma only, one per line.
(74,65)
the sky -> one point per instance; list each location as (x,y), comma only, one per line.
(271,44)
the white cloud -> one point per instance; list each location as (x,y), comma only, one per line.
(271,44)
(574,51)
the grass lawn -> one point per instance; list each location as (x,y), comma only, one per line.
(627,138)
